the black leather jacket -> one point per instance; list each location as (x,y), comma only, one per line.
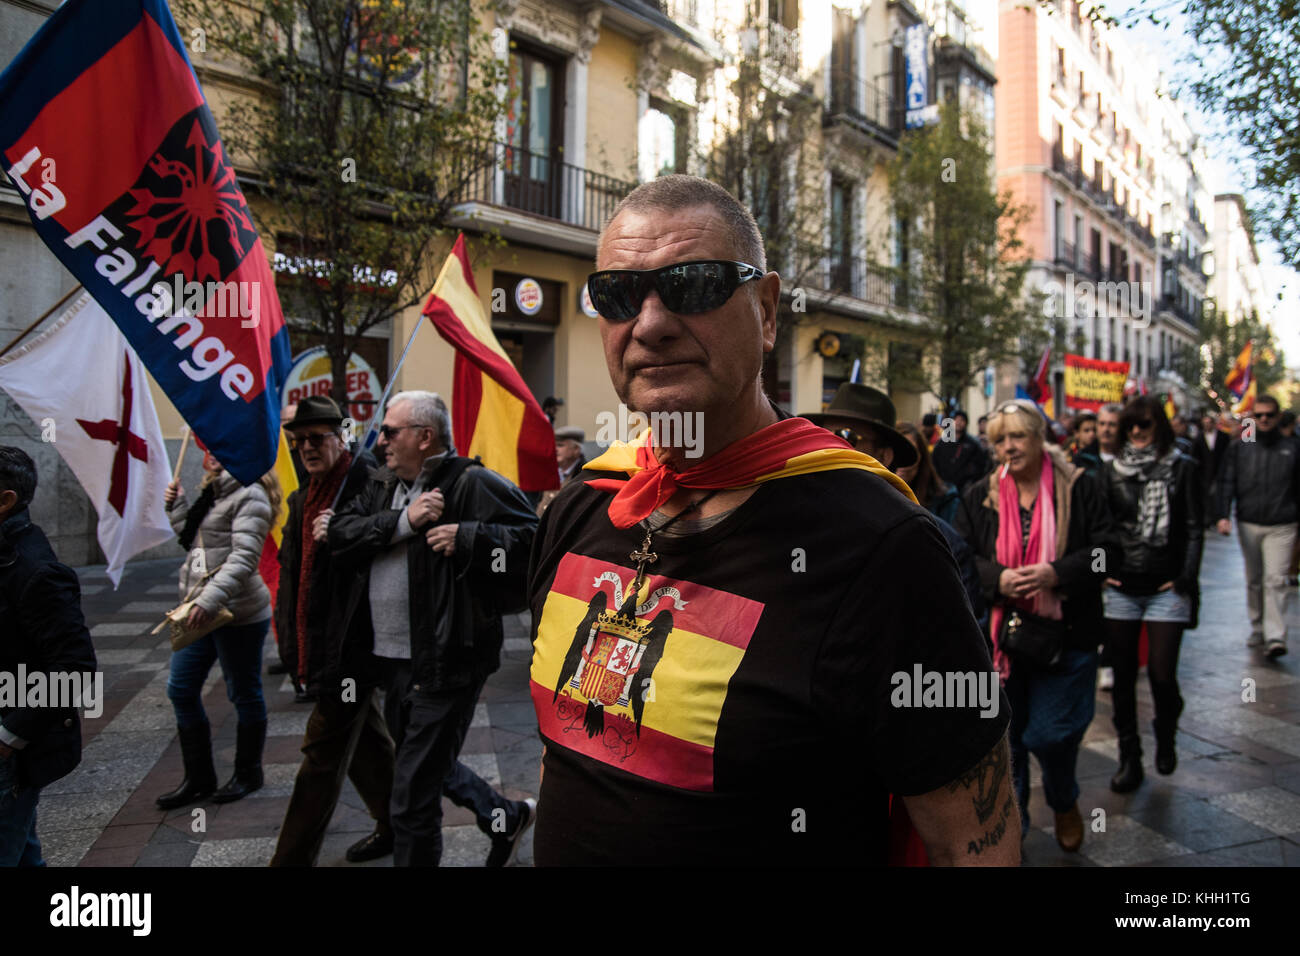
(1145,567)
(456,631)
(40,605)
(1263,476)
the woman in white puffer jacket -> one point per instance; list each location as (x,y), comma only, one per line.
(224,532)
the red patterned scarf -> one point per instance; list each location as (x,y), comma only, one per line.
(320,492)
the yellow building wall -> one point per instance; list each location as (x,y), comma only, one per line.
(611,106)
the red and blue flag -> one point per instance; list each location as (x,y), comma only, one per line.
(106,134)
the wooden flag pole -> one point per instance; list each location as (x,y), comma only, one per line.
(43,316)
(176,472)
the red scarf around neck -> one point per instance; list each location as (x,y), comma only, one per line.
(320,493)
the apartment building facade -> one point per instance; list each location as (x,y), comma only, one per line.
(1236,282)
(1111,172)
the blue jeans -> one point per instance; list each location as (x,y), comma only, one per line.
(239,648)
(18,843)
(1050,712)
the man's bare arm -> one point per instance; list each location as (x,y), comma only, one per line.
(972,820)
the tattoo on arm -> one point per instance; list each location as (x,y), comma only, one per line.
(984,781)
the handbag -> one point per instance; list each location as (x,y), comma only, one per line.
(1032,639)
(182,635)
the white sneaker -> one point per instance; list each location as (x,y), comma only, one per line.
(1275,649)
(1255,640)
(1107,681)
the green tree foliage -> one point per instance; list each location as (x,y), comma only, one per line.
(1243,69)
(967,264)
(365,123)
(1222,342)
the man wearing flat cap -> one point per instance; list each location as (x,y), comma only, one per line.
(346,731)
(568,458)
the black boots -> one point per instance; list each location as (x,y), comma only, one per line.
(200,776)
(1169,707)
(249,739)
(1129,776)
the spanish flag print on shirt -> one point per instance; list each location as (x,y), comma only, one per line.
(596,674)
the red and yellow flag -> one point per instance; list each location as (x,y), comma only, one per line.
(1240,378)
(269,564)
(493,414)
(1247,403)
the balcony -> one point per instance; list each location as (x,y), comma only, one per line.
(1066,255)
(862,105)
(772,42)
(555,194)
(682,11)
(855,276)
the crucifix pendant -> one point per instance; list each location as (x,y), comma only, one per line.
(642,557)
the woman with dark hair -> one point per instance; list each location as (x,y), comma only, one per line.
(1155,495)
(1036,526)
(934,495)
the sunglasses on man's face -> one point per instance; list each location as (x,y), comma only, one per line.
(686,288)
(314,441)
(1266,415)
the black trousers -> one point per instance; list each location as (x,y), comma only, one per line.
(429,730)
(342,737)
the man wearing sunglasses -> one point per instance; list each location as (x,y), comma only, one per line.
(440,548)
(1261,472)
(714,636)
(345,732)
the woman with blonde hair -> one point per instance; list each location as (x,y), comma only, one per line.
(1043,539)
(223,533)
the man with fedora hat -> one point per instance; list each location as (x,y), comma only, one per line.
(865,418)
(346,731)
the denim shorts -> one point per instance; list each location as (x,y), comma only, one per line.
(1162,606)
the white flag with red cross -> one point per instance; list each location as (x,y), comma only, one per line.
(86,389)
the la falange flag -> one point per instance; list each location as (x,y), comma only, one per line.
(493,413)
(108,138)
(89,395)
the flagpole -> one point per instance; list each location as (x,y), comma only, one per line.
(43,316)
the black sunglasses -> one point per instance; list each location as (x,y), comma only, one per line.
(1144,424)
(686,288)
(390,431)
(314,441)
(1268,415)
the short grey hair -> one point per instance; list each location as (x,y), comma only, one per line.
(427,410)
(1111,408)
(676,192)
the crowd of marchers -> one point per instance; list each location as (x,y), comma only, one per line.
(701,697)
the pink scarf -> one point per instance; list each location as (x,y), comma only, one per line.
(1040,547)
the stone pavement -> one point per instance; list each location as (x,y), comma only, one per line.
(1234,800)
(102,814)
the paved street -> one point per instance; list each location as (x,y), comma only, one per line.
(1234,800)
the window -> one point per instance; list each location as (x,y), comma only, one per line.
(841,252)
(534,133)
(664,140)
(1058,228)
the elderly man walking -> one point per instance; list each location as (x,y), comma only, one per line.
(729,648)
(346,735)
(441,547)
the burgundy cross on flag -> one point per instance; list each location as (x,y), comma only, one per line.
(87,392)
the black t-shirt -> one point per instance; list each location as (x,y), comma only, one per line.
(747,716)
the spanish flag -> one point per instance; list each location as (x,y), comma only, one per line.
(1247,403)
(494,416)
(269,564)
(1239,379)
